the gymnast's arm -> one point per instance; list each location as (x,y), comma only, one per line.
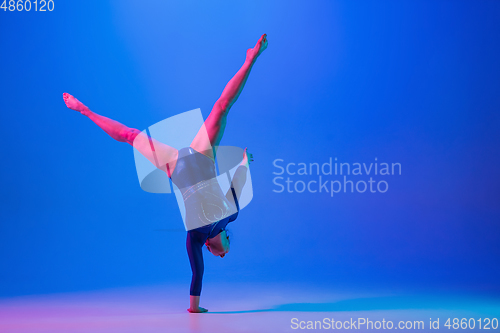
(194,244)
(237,184)
(239,178)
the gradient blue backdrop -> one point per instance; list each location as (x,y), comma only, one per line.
(413,82)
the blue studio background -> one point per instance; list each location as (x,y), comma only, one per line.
(413,82)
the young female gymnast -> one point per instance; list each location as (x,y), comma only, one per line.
(192,170)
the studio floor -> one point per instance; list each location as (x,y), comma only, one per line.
(245,308)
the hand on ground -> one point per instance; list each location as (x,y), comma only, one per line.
(198,310)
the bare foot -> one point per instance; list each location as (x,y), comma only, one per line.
(261,45)
(73,103)
(247,158)
(199,310)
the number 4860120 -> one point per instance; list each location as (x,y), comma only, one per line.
(27,5)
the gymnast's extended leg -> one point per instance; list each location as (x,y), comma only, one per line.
(161,155)
(216,122)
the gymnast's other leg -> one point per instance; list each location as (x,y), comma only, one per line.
(161,155)
(216,122)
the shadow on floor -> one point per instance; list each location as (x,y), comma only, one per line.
(381,303)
